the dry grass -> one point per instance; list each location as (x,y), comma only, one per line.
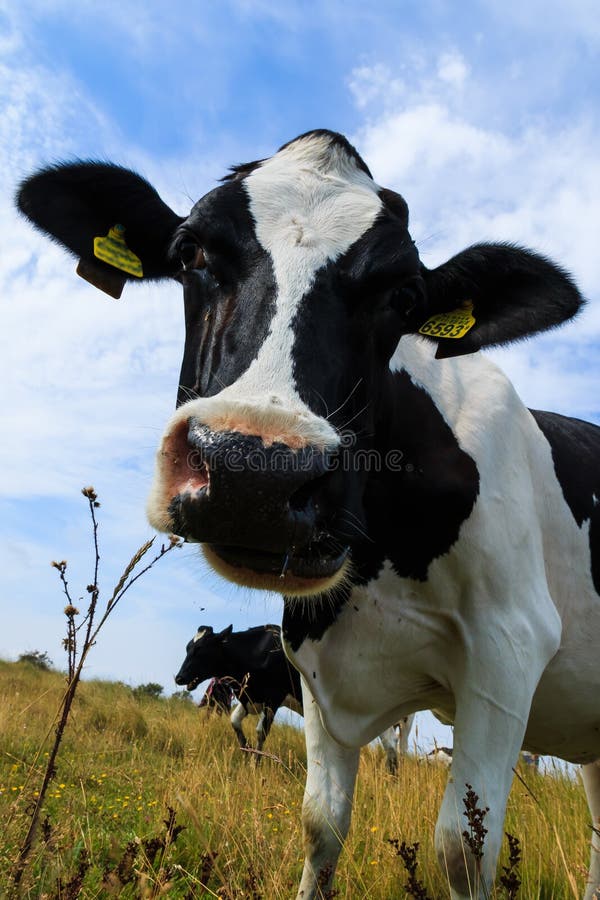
(124,762)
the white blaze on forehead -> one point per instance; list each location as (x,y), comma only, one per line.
(310,202)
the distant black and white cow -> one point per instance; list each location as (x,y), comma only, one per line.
(394,741)
(256,668)
(439,756)
(442,756)
(339,439)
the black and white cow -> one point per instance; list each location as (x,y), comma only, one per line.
(439,756)
(394,741)
(442,756)
(437,544)
(254,666)
(258,671)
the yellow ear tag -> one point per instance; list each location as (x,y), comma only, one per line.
(453,324)
(113,250)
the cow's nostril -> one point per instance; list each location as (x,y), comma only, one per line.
(306,495)
(188,470)
(200,478)
(198,469)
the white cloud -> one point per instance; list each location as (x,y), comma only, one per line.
(370,84)
(452,68)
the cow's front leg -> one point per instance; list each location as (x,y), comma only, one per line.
(327,806)
(488,733)
(264,726)
(389,741)
(236,718)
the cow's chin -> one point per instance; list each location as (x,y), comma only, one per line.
(265,571)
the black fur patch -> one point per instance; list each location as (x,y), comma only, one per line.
(230,304)
(414,515)
(414,508)
(311,618)
(576,454)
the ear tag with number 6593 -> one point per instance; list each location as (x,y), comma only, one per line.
(453,324)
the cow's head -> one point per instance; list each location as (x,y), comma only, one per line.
(204,657)
(300,277)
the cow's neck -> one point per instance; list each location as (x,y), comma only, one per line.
(414,504)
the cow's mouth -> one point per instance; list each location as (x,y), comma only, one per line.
(313,563)
(191,685)
(315,569)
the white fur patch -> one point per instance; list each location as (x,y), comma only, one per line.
(310,202)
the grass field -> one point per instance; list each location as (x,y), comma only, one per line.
(153,798)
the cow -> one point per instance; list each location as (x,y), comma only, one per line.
(217,697)
(442,756)
(439,756)
(394,741)
(340,439)
(254,666)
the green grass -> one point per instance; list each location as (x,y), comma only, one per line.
(125,762)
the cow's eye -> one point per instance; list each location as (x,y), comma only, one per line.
(191,255)
(405,299)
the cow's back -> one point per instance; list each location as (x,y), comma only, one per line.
(272,678)
(575,448)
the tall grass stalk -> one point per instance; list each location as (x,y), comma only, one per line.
(79,640)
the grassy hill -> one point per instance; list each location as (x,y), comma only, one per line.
(153,798)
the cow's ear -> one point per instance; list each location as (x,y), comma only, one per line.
(109,217)
(508,291)
(226,631)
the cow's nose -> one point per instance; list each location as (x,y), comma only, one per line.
(239,492)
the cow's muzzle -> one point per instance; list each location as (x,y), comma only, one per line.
(190,683)
(261,512)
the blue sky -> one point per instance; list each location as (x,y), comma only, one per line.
(483,114)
